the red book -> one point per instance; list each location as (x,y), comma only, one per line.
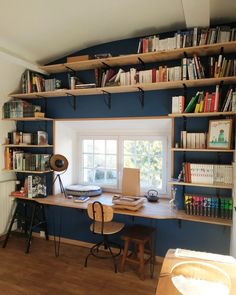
(212,102)
(154,75)
(205,103)
(145,45)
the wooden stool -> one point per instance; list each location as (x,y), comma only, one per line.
(139,235)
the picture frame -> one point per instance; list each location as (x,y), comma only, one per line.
(220,134)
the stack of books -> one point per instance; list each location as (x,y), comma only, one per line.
(17,108)
(193,140)
(217,207)
(127,202)
(18,137)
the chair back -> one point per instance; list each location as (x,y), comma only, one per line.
(100,213)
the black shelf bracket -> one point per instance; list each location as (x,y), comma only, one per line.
(141,62)
(107,98)
(106,65)
(74,100)
(185,54)
(70,69)
(185,90)
(141,96)
(222,50)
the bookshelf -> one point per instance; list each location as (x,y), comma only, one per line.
(207,114)
(126,89)
(134,59)
(28,171)
(223,186)
(27,119)
(28,145)
(201,150)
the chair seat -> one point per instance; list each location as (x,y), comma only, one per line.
(108,227)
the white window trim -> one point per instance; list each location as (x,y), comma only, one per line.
(120,139)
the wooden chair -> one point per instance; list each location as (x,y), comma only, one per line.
(139,236)
(102,216)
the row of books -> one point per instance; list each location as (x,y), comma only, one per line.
(37,138)
(35,82)
(203,102)
(193,140)
(221,67)
(189,38)
(17,108)
(207,173)
(19,160)
(217,207)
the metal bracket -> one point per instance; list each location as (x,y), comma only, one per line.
(68,68)
(185,54)
(141,62)
(141,96)
(185,90)
(179,223)
(107,99)
(74,100)
(222,50)
(106,65)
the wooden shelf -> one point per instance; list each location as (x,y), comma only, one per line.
(28,145)
(133,88)
(201,150)
(224,186)
(27,119)
(28,171)
(209,114)
(134,59)
(220,221)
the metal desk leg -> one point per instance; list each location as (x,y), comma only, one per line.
(31,227)
(10,226)
(45,222)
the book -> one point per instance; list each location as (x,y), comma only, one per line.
(191,105)
(37,186)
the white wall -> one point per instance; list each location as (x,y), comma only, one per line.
(65,144)
(10,75)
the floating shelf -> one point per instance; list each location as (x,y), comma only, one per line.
(201,150)
(134,59)
(205,219)
(130,88)
(27,119)
(221,185)
(28,171)
(209,114)
(28,145)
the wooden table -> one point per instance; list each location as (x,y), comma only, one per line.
(165,285)
(160,210)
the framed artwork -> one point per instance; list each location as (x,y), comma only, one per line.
(219,134)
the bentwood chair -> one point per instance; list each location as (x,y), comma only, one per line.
(103,225)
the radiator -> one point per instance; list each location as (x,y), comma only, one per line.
(6,204)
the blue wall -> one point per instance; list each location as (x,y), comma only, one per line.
(75,223)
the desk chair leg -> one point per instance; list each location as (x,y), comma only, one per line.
(125,254)
(45,222)
(91,252)
(31,228)
(10,226)
(113,257)
(152,252)
(141,261)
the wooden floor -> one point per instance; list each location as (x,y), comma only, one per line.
(40,272)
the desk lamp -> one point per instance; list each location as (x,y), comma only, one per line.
(59,163)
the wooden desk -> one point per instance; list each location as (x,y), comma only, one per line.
(165,286)
(160,210)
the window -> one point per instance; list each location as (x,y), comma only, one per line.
(149,155)
(103,159)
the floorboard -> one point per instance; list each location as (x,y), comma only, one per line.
(40,272)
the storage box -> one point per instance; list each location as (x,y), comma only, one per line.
(77,58)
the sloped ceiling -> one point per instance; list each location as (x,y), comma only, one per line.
(41,31)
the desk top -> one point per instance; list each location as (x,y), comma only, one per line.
(160,210)
(165,285)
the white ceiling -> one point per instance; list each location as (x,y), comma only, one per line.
(41,31)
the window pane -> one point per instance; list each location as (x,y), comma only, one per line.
(88,175)
(111,147)
(88,160)
(111,162)
(111,177)
(100,176)
(99,161)
(88,146)
(99,146)
(129,162)
(142,147)
(129,147)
